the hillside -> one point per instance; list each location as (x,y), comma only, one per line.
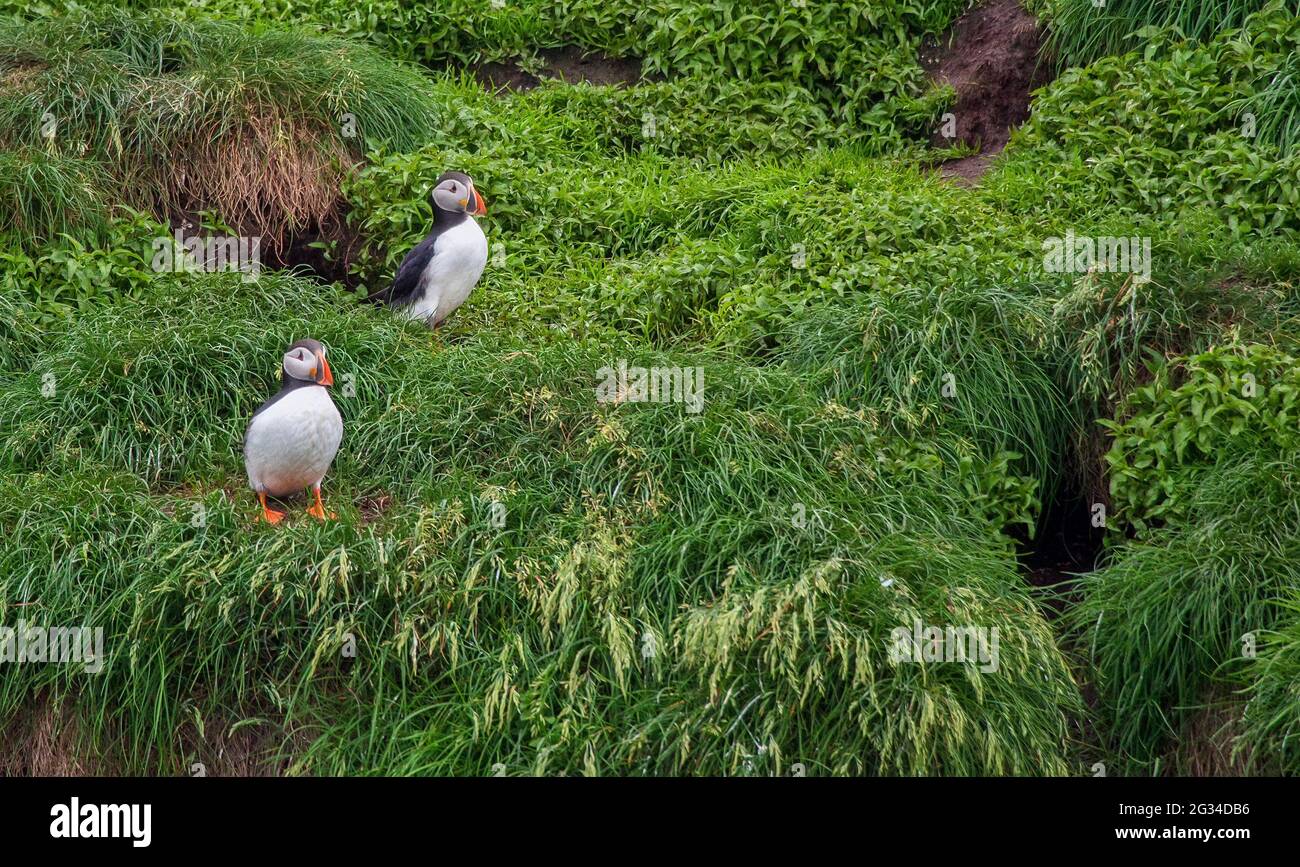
(993,327)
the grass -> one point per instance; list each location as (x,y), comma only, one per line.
(622,523)
(1082,32)
(186,115)
(1275,107)
(1174,612)
(895,390)
(1269,736)
(48,195)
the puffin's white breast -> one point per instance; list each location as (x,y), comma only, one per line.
(291,443)
(459,256)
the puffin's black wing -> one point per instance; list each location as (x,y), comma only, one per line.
(407,282)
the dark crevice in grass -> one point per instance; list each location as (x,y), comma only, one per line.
(1066,544)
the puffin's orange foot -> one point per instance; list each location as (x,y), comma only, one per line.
(317,509)
(269,515)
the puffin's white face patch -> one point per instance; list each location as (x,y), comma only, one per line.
(450,194)
(299,363)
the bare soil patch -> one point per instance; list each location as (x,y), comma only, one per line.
(48,739)
(990,56)
(569,64)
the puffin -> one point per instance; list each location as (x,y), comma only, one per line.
(437,276)
(292,438)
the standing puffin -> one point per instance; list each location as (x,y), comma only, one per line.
(436,277)
(293,437)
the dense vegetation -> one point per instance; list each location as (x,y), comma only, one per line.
(1085,30)
(898,393)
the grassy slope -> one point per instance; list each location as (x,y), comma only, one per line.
(523,645)
(105,108)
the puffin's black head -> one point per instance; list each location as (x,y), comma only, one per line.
(305,361)
(454,192)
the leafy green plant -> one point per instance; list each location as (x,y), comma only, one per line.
(71,276)
(1166,131)
(1226,401)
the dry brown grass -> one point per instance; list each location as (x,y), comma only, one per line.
(1205,745)
(271,176)
(47,739)
(21,77)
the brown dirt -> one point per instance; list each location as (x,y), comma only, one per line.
(1204,747)
(990,57)
(569,64)
(48,740)
(374,506)
(251,750)
(967,170)
(44,741)
(21,75)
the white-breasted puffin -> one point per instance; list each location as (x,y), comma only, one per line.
(437,276)
(292,438)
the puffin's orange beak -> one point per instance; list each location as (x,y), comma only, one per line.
(480,206)
(327,376)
